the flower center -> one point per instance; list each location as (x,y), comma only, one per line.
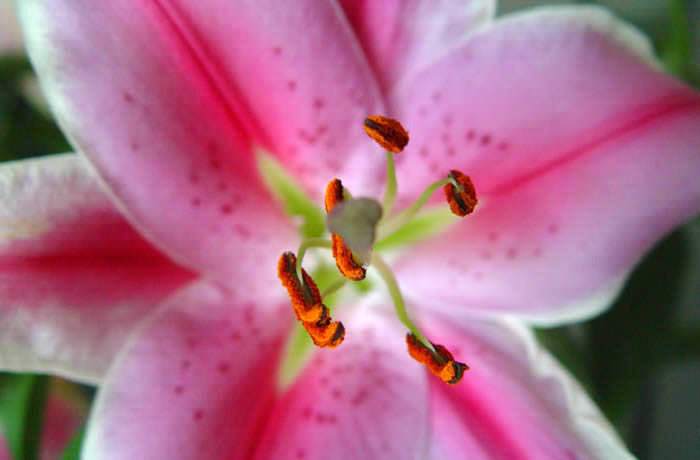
(360,229)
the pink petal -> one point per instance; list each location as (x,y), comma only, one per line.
(302,83)
(529,92)
(136,95)
(196,383)
(561,225)
(206,373)
(402,36)
(514,403)
(75,277)
(363,400)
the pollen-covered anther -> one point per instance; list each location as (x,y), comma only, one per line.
(440,363)
(460,194)
(308,305)
(387,132)
(342,254)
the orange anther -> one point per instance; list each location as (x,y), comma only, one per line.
(440,363)
(326,333)
(386,132)
(334,194)
(341,252)
(461,198)
(308,305)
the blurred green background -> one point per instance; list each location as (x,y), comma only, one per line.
(640,361)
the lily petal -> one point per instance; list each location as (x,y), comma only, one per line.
(134,94)
(300,81)
(402,36)
(569,208)
(207,367)
(75,277)
(362,400)
(515,402)
(529,92)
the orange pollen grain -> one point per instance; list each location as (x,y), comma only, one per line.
(341,252)
(440,363)
(462,199)
(387,132)
(308,305)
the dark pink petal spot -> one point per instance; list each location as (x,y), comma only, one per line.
(318,103)
(292,85)
(226,209)
(512,253)
(485,139)
(223,368)
(471,134)
(306,413)
(553,228)
(185,364)
(128,97)
(179,389)
(196,202)
(242,231)
(277,51)
(198,415)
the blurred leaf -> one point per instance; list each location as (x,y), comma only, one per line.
(675,433)
(629,341)
(72,451)
(24,131)
(677,50)
(568,348)
(22,402)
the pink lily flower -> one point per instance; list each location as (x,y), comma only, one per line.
(583,153)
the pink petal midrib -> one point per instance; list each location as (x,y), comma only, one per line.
(188,42)
(663,108)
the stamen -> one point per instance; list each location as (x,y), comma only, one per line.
(399,304)
(344,259)
(460,194)
(386,132)
(308,305)
(409,213)
(393,137)
(440,362)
